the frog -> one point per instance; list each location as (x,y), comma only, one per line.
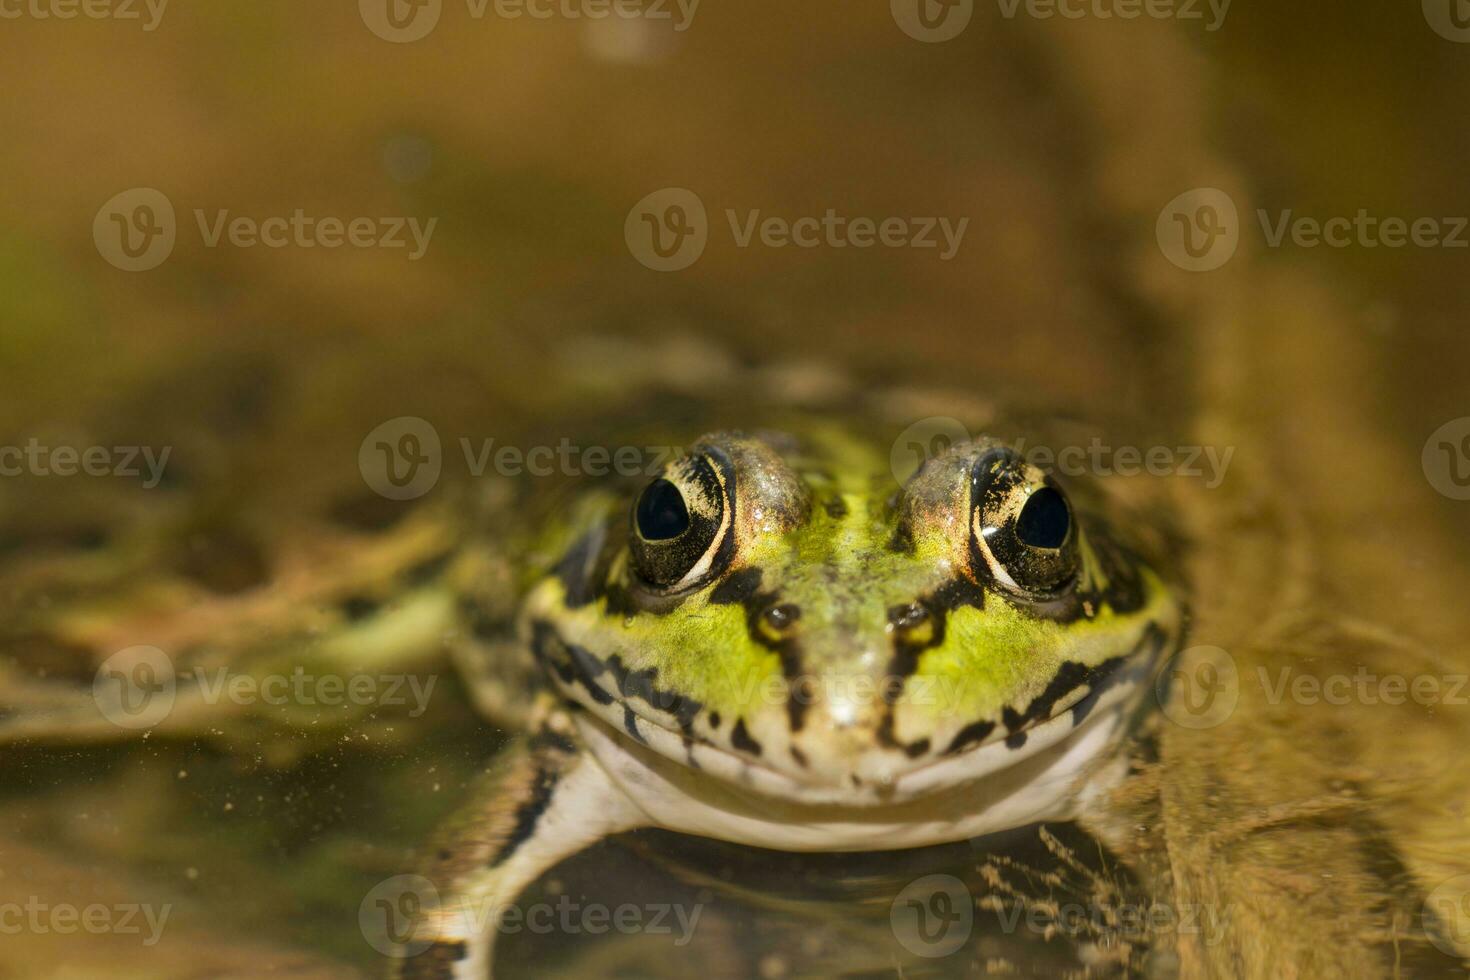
(774,642)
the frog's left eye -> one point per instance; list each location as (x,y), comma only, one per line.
(678,524)
(1022,526)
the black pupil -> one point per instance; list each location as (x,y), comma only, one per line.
(661,512)
(1044,520)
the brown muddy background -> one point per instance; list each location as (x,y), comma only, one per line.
(529,141)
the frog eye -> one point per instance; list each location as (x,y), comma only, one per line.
(678,524)
(1022,526)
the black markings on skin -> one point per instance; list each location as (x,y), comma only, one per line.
(958,592)
(969,735)
(574,664)
(548,739)
(799,756)
(1154,638)
(744,587)
(904,662)
(714,720)
(527,814)
(588,668)
(915,749)
(575,570)
(630,722)
(1069,678)
(739,587)
(741,740)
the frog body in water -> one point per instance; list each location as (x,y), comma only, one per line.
(775,642)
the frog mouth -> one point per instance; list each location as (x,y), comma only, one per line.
(876,777)
(878,770)
(872,780)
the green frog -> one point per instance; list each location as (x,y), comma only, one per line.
(774,642)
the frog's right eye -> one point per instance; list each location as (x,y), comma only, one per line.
(678,524)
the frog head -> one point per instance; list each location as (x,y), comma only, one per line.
(783,614)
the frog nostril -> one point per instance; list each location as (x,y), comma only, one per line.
(781,617)
(908,617)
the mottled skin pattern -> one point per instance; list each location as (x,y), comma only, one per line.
(776,642)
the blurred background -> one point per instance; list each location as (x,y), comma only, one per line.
(535,156)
